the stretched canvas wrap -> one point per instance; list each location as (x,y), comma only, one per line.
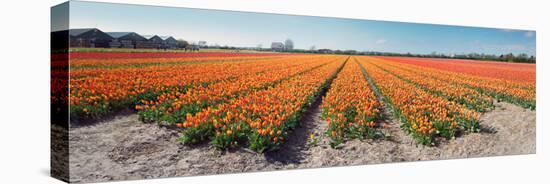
(143,92)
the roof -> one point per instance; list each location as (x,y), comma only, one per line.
(156,39)
(170,39)
(277,44)
(118,34)
(161,37)
(148,36)
(89,33)
(76,32)
(132,36)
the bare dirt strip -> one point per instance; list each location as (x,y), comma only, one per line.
(126,148)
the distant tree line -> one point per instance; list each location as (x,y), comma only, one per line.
(519,58)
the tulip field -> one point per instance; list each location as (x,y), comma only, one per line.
(255,100)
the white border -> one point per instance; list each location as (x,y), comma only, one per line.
(24,70)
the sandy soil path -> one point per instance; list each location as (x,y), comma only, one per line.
(125,148)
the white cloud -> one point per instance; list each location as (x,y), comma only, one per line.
(380,41)
(529,34)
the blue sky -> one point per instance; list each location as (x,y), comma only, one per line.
(251,29)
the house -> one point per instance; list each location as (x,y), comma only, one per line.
(157,41)
(89,37)
(132,40)
(171,42)
(277,46)
(135,39)
(126,39)
(93,37)
(325,51)
(117,43)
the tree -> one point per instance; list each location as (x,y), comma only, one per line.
(312,48)
(509,57)
(182,43)
(289,44)
(202,44)
(259,47)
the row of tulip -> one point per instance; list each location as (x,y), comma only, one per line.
(260,120)
(350,106)
(96,92)
(500,89)
(522,73)
(425,116)
(110,63)
(173,106)
(113,55)
(461,94)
